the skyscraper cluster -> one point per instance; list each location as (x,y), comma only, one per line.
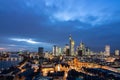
(70,50)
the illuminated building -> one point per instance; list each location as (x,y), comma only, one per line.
(81,50)
(117,52)
(46,54)
(66,50)
(40,51)
(88,52)
(107,50)
(56,50)
(109,59)
(72,43)
(59,51)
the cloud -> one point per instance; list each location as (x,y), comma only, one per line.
(25,40)
(30,41)
(85,11)
(51,21)
(12,45)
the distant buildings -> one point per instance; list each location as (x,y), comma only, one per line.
(116,52)
(46,54)
(66,50)
(40,51)
(81,49)
(56,50)
(107,50)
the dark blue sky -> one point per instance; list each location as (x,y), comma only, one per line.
(28,24)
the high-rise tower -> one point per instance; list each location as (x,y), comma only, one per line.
(55,50)
(81,49)
(40,51)
(66,50)
(116,52)
(107,50)
(72,43)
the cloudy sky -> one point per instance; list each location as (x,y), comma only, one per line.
(29,24)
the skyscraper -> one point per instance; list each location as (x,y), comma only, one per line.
(72,43)
(107,50)
(81,49)
(59,51)
(40,51)
(66,50)
(55,50)
(117,52)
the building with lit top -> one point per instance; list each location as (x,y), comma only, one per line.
(81,50)
(72,43)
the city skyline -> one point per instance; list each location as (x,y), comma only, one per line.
(29,24)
